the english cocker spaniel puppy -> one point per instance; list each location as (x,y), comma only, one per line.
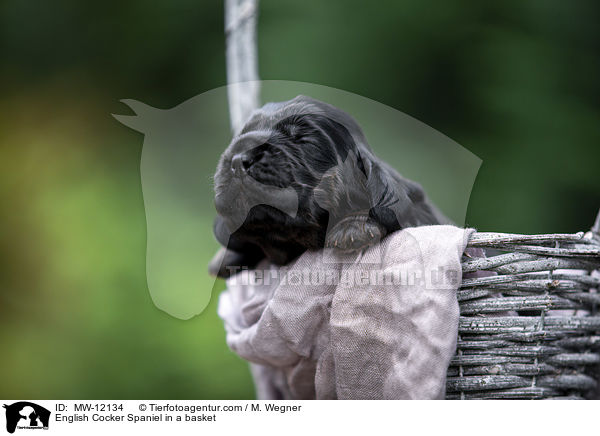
(301,175)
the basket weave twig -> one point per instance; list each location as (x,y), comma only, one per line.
(532,329)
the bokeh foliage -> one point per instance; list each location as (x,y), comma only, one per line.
(515,82)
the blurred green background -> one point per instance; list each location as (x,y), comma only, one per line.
(514,82)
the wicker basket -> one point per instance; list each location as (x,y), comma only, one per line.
(532,329)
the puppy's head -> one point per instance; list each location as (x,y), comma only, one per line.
(287,171)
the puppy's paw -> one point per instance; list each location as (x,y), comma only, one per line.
(353,233)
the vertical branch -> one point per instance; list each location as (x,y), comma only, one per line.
(596,226)
(242,60)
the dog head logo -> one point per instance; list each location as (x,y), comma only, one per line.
(26,415)
(180,148)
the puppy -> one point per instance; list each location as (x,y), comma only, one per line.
(302,176)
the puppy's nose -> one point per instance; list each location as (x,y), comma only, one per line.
(240,163)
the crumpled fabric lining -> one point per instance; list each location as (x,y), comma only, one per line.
(357,337)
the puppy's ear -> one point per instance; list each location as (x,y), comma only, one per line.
(345,193)
(340,167)
(344,189)
(328,193)
(398,203)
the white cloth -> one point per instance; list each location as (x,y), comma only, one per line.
(378,325)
